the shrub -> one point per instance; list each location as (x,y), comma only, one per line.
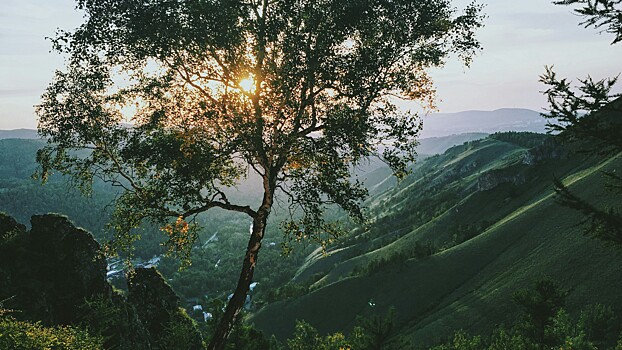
(21,335)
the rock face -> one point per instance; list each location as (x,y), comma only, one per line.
(50,269)
(158,306)
(56,273)
(549,149)
(9,228)
(494,178)
(70,262)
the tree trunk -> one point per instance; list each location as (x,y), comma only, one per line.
(236,303)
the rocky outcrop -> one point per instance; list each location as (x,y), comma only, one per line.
(70,262)
(50,270)
(159,307)
(551,148)
(9,228)
(56,274)
(494,178)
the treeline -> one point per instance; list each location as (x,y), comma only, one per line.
(521,139)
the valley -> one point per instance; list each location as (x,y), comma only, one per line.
(445,247)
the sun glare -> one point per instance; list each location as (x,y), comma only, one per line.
(247,84)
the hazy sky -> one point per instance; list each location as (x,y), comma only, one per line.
(519,39)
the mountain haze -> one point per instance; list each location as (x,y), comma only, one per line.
(19,134)
(505,119)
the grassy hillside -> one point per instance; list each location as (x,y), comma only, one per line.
(424,206)
(488,211)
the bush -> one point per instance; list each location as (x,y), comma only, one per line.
(307,338)
(20,335)
(539,305)
(599,324)
(462,341)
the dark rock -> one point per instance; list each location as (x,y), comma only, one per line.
(9,228)
(152,296)
(70,263)
(494,178)
(158,306)
(48,272)
(56,274)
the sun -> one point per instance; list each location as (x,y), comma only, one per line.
(247,84)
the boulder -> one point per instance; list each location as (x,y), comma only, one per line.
(9,228)
(159,308)
(56,274)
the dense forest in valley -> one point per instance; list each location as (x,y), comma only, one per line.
(211,274)
(214,257)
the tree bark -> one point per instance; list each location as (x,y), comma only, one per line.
(234,306)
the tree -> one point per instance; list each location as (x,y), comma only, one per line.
(591,111)
(375,330)
(599,13)
(539,306)
(590,116)
(604,224)
(178,100)
(591,119)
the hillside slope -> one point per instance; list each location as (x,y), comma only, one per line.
(520,234)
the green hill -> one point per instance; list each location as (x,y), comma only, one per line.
(485,214)
(446,246)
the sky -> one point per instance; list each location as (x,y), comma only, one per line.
(519,39)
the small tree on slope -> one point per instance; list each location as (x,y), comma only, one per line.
(590,115)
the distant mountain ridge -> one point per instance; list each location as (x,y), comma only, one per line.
(19,134)
(434,125)
(438,145)
(505,119)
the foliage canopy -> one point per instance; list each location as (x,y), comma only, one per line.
(178,100)
(599,13)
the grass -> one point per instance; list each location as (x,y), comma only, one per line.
(468,285)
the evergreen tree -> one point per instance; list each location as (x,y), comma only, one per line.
(599,13)
(590,116)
